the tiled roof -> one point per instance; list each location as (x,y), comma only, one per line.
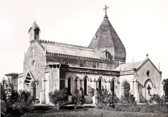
(106,39)
(67,49)
(129,66)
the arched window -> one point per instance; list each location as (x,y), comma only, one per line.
(112,86)
(85,86)
(148,73)
(69,86)
(126,89)
(33,63)
(99,83)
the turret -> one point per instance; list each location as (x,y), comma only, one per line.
(34,32)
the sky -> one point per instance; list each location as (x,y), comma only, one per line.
(142,26)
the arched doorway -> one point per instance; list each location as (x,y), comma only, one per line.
(148,85)
(33,90)
(126,89)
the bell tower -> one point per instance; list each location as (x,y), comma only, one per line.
(34,32)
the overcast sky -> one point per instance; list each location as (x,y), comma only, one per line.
(142,26)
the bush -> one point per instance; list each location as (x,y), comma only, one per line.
(19,103)
(130,100)
(156,98)
(78,99)
(105,99)
(59,98)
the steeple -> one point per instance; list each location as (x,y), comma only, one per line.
(34,32)
(107,39)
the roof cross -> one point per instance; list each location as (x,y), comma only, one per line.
(147,55)
(105,10)
(149,88)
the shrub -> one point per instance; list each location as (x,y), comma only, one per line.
(105,99)
(59,98)
(78,99)
(156,98)
(19,102)
(130,100)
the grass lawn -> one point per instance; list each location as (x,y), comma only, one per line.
(87,112)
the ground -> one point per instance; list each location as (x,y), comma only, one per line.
(87,112)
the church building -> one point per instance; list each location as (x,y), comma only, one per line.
(51,65)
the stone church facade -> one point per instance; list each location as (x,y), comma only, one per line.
(102,65)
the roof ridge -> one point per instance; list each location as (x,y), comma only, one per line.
(53,42)
(53,53)
(132,63)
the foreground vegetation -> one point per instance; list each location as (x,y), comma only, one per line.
(21,104)
(89,112)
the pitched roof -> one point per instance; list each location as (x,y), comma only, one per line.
(67,49)
(129,66)
(106,38)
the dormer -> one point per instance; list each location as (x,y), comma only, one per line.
(106,55)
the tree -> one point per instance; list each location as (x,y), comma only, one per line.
(3,100)
(19,102)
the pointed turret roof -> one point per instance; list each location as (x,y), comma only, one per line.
(34,26)
(106,38)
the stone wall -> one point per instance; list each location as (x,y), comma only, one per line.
(77,81)
(153,79)
(34,61)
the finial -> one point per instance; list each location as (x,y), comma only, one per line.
(106,11)
(147,55)
(120,65)
(34,22)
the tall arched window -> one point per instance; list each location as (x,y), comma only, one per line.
(85,86)
(112,86)
(126,89)
(69,86)
(99,83)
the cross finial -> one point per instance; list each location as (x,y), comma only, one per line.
(147,55)
(105,10)
(34,22)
